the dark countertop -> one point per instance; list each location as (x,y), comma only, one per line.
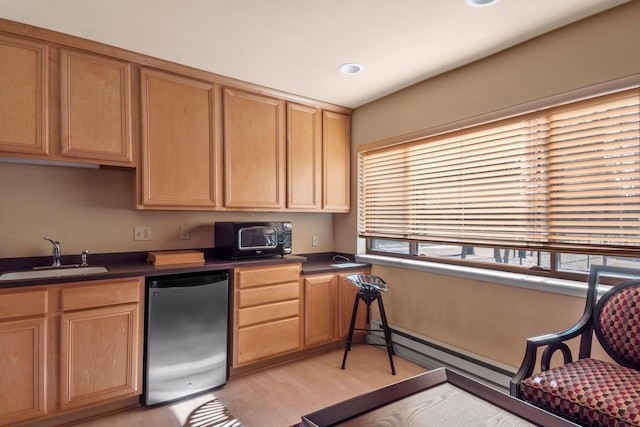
(326,263)
(134,264)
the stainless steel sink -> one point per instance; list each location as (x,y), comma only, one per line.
(52,272)
(347,265)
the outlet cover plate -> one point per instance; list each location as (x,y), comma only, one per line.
(142,233)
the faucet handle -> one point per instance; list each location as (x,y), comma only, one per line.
(83,255)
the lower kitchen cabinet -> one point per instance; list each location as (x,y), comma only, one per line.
(348,291)
(328,303)
(267,315)
(22,356)
(278,313)
(69,347)
(100,343)
(320,309)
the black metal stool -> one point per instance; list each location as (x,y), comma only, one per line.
(369,291)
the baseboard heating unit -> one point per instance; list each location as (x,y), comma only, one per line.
(432,354)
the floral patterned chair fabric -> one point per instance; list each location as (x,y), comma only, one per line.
(589,391)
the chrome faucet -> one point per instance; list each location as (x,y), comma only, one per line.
(56,252)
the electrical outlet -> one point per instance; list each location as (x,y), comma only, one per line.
(184,232)
(314,241)
(142,233)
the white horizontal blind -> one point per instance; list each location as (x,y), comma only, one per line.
(566,178)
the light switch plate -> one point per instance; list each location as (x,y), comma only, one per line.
(184,232)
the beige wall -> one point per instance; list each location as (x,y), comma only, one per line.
(93,209)
(491,320)
(488,319)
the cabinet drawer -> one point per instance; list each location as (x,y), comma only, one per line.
(23,304)
(267,275)
(269,312)
(268,294)
(100,295)
(261,341)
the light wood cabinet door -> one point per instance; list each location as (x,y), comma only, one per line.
(304,157)
(178,141)
(336,131)
(22,370)
(24,339)
(23,96)
(254,151)
(98,354)
(101,327)
(96,108)
(347,293)
(320,309)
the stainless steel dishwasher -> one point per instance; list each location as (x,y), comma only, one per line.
(186,335)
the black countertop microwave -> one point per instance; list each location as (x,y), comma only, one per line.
(242,240)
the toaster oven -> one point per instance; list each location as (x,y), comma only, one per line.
(242,240)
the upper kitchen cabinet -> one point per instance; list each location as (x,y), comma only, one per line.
(92,99)
(178,142)
(304,157)
(23,96)
(318,156)
(336,135)
(96,108)
(198,140)
(254,151)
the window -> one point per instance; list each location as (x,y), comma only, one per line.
(544,190)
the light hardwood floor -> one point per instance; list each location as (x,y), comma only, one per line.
(280,396)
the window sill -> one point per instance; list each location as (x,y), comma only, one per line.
(544,284)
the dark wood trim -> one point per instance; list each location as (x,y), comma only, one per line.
(340,412)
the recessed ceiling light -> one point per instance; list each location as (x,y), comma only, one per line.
(350,68)
(481,3)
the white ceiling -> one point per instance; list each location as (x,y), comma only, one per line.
(297,45)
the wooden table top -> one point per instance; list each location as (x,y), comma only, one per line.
(440,397)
